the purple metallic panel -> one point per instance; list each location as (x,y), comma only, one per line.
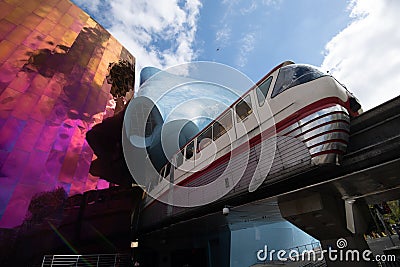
(53,64)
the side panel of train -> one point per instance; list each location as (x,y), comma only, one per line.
(282,127)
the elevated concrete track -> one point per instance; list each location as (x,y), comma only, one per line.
(374,148)
(327,203)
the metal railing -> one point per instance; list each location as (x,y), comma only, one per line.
(95,260)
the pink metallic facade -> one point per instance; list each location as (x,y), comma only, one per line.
(53,65)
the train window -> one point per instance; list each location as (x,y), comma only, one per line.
(204,139)
(189,150)
(262,91)
(223,125)
(292,75)
(243,108)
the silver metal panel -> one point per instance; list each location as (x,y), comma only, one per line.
(328,147)
(336,112)
(321,113)
(330,158)
(321,131)
(325,120)
(328,136)
(291,154)
(325,128)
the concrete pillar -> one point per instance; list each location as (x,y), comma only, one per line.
(339,225)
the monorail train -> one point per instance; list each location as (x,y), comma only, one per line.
(305,112)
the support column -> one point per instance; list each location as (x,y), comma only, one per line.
(339,225)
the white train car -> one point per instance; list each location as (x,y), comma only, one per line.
(305,111)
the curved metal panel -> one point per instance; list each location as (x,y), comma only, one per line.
(182,93)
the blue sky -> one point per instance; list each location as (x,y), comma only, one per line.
(358,41)
(254,36)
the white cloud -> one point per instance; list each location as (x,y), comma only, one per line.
(238,15)
(365,56)
(247,44)
(138,24)
(91,5)
(249,9)
(223,35)
(246,7)
(257,4)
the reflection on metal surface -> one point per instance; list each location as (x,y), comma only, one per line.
(324,129)
(325,133)
(191,92)
(324,112)
(341,136)
(53,89)
(329,147)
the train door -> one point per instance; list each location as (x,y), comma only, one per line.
(245,117)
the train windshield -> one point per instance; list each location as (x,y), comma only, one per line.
(292,75)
